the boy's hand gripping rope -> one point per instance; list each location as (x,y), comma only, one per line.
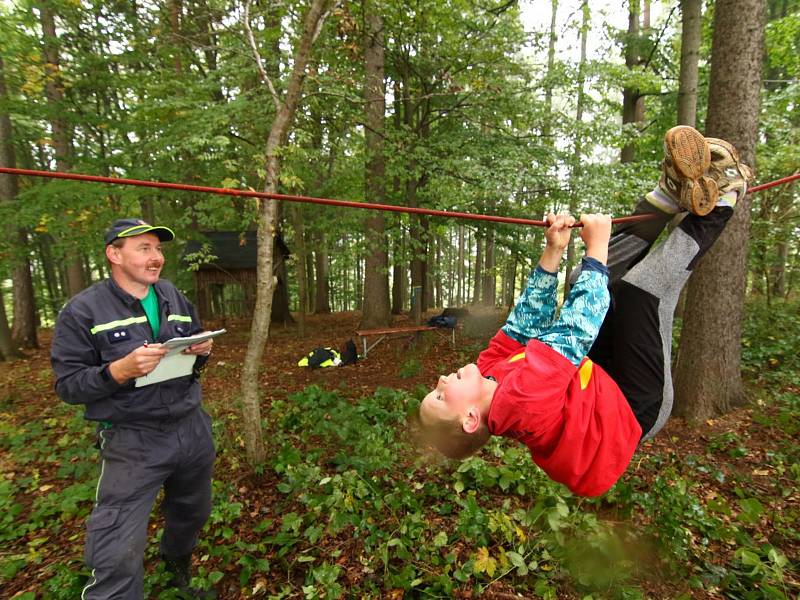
(328,201)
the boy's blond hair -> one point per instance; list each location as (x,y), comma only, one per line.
(449,438)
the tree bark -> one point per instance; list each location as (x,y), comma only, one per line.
(175,28)
(707,376)
(690,56)
(311,287)
(302,276)
(547,127)
(24,302)
(54,292)
(577,151)
(322,301)
(280,301)
(8,349)
(460,267)
(419,250)
(476,282)
(631,110)
(489,279)
(687,88)
(399,273)
(376,310)
(267,223)
(54,89)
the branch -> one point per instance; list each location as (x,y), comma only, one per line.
(261,70)
(658,40)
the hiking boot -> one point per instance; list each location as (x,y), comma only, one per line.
(687,157)
(728,171)
(180,577)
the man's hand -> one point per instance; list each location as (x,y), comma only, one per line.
(595,234)
(139,362)
(201,349)
(557,235)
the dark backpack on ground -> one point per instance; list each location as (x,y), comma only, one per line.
(442,321)
(320,357)
(349,353)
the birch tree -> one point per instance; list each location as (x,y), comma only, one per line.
(285,105)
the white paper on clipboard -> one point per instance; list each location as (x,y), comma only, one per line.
(175,363)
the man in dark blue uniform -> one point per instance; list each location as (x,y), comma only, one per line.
(150,437)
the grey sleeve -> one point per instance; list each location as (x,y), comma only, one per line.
(81,377)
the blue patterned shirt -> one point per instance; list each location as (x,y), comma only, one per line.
(574,331)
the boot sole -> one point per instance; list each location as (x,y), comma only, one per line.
(690,157)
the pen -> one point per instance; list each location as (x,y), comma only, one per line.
(145,343)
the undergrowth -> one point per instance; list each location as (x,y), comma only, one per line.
(362,513)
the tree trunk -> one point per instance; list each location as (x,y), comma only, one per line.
(460,267)
(510,280)
(489,279)
(630,95)
(687,89)
(175,28)
(311,285)
(54,88)
(280,300)
(24,328)
(577,152)
(707,376)
(8,350)
(267,224)
(376,309)
(476,282)
(302,278)
(783,230)
(547,124)
(322,302)
(690,56)
(399,273)
(419,251)
(437,293)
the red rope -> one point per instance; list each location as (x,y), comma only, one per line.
(327,201)
(766,186)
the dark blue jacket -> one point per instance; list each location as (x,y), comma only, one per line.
(104,323)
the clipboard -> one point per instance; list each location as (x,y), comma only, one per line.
(175,363)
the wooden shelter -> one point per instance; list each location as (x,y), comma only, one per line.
(225,286)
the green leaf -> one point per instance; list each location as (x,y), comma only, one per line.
(752,509)
(215,576)
(484,563)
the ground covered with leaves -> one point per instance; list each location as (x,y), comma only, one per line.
(347,506)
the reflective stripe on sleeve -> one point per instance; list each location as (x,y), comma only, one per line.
(184,318)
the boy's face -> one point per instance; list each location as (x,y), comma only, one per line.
(453,395)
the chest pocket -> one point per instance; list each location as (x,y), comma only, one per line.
(118,336)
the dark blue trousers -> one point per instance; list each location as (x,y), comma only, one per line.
(136,464)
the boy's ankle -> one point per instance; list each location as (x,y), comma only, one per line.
(662,201)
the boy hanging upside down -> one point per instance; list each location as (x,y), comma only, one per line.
(584,389)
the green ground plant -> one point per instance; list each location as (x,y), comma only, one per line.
(357,509)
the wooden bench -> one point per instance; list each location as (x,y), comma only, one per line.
(398,332)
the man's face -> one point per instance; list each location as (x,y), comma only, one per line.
(139,260)
(452,396)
